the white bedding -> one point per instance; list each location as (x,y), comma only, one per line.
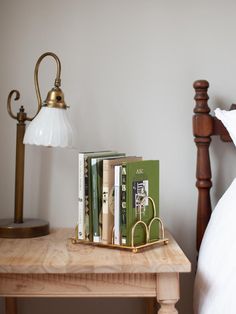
(228,118)
(215,283)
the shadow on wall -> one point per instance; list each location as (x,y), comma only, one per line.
(45,179)
(37,181)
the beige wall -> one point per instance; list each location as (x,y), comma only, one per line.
(127,72)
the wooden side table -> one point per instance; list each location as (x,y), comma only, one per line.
(52,266)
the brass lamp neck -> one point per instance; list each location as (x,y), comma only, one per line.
(57,82)
(55,98)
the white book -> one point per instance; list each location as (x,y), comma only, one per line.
(117,186)
(81,197)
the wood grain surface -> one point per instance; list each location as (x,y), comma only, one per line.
(55,254)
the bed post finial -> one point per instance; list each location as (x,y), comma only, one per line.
(201,96)
(202,131)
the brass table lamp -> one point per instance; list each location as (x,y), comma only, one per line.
(49,127)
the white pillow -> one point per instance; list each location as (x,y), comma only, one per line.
(215,283)
(228,118)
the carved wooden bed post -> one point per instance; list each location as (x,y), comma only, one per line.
(203,124)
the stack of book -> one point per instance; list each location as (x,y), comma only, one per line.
(110,187)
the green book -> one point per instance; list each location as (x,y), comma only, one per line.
(96,172)
(83,209)
(139,179)
(88,188)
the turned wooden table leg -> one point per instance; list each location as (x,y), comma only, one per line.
(167,292)
(11,305)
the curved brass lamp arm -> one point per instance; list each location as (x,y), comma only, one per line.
(57,82)
(17,96)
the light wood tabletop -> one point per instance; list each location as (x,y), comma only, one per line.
(53,266)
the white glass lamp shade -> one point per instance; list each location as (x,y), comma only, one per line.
(50,127)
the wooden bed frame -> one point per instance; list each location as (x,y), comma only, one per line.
(204,127)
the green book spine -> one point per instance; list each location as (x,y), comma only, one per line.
(86,201)
(123,206)
(88,192)
(96,173)
(141,178)
(108,177)
(95,201)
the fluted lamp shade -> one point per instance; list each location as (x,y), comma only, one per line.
(50,127)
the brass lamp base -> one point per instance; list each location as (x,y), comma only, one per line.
(30,228)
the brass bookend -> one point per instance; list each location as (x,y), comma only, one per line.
(147,227)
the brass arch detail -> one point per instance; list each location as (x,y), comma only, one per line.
(155,218)
(133,230)
(153,206)
(161,225)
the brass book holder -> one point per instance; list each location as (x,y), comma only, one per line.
(160,239)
